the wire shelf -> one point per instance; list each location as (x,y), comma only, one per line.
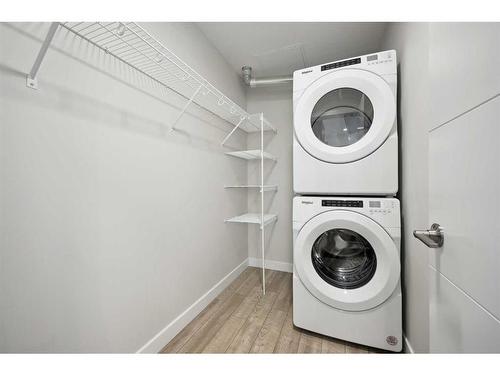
(134,46)
(252,155)
(253,218)
(261,188)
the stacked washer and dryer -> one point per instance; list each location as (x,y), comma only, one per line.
(346,221)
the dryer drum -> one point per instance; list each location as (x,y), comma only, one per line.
(344,258)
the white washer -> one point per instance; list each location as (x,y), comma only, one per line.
(346,274)
(345,129)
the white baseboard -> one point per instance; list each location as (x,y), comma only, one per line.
(271,265)
(407,346)
(163,337)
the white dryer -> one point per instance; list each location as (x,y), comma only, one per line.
(346,275)
(345,128)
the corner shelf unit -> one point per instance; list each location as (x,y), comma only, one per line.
(262,218)
(133,46)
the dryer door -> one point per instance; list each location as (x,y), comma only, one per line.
(347,260)
(345,115)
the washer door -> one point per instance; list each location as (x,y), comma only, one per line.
(347,260)
(345,115)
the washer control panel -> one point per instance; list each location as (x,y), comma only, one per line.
(382,210)
(341,203)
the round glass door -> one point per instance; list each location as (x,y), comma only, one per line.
(342,117)
(344,258)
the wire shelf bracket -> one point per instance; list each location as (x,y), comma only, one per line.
(181,113)
(254,127)
(31,78)
(242,118)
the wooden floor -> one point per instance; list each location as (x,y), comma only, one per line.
(241,320)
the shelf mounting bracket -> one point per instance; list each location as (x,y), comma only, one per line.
(31,79)
(242,118)
(172,128)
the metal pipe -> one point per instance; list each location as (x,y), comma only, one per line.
(246,72)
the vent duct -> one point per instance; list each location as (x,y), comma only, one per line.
(246,73)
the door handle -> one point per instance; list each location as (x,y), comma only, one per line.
(433,237)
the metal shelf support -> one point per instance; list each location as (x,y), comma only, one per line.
(262,231)
(31,80)
(172,128)
(242,118)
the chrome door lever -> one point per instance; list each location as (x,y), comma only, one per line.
(433,237)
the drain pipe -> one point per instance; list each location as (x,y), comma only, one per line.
(246,73)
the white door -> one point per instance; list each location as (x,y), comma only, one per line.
(464,187)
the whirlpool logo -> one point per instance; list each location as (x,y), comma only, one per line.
(392,340)
(307,202)
(307,71)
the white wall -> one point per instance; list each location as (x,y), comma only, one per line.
(110,226)
(411,43)
(276,103)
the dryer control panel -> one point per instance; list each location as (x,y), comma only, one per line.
(382,63)
(341,64)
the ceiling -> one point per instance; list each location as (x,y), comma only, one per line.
(279,48)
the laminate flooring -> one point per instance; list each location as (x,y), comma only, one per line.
(242,320)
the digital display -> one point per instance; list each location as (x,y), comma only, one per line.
(341,64)
(372,58)
(374,204)
(341,203)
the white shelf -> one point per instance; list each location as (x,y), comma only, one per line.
(251,218)
(264,188)
(251,155)
(134,46)
(253,124)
